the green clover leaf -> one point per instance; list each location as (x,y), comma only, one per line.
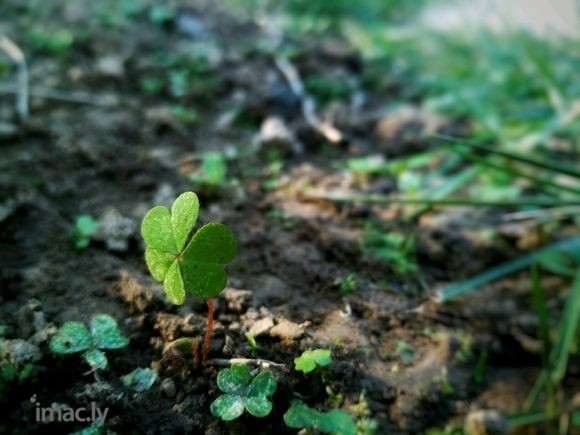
(73,337)
(106,334)
(195,266)
(299,415)
(336,421)
(310,359)
(96,359)
(140,379)
(243,393)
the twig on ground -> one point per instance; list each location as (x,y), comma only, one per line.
(330,132)
(67,97)
(224,362)
(16,56)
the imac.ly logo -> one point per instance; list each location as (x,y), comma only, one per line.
(66,414)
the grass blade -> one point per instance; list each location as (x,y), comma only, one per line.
(516,173)
(540,307)
(566,333)
(382,199)
(504,269)
(449,186)
(527,418)
(550,165)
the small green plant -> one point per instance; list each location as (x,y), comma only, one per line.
(12,374)
(141,379)
(243,393)
(213,171)
(252,341)
(97,427)
(311,359)
(185,260)
(74,337)
(349,284)
(394,248)
(300,416)
(85,227)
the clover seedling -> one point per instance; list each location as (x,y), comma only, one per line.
(140,379)
(311,359)
(300,416)
(85,227)
(73,337)
(243,393)
(186,260)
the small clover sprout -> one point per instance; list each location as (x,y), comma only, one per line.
(73,337)
(310,359)
(85,227)
(300,416)
(182,261)
(349,284)
(185,260)
(140,379)
(243,393)
(214,171)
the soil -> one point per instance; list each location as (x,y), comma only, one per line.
(124,152)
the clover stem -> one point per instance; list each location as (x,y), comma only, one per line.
(208,330)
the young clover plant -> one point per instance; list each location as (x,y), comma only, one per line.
(336,421)
(73,337)
(85,228)
(243,393)
(311,359)
(184,259)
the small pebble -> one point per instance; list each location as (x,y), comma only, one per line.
(168,387)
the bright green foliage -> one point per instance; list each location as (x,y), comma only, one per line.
(140,379)
(348,285)
(300,416)
(11,374)
(310,359)
(73,337)
(161,14)
(243,393)
(96,428)
(85,227)
(394,248)
(213,171)
(183,262)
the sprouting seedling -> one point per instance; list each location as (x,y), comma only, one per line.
(213,171)
(311,359)
(186,260)
(336,421)
(85,227)
(243,393)
(73,337)
(141,379)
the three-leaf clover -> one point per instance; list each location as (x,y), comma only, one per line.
(336,421)
(73,337)
(310,359)
(243,392)
(182,261)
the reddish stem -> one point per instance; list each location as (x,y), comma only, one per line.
(208,330)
